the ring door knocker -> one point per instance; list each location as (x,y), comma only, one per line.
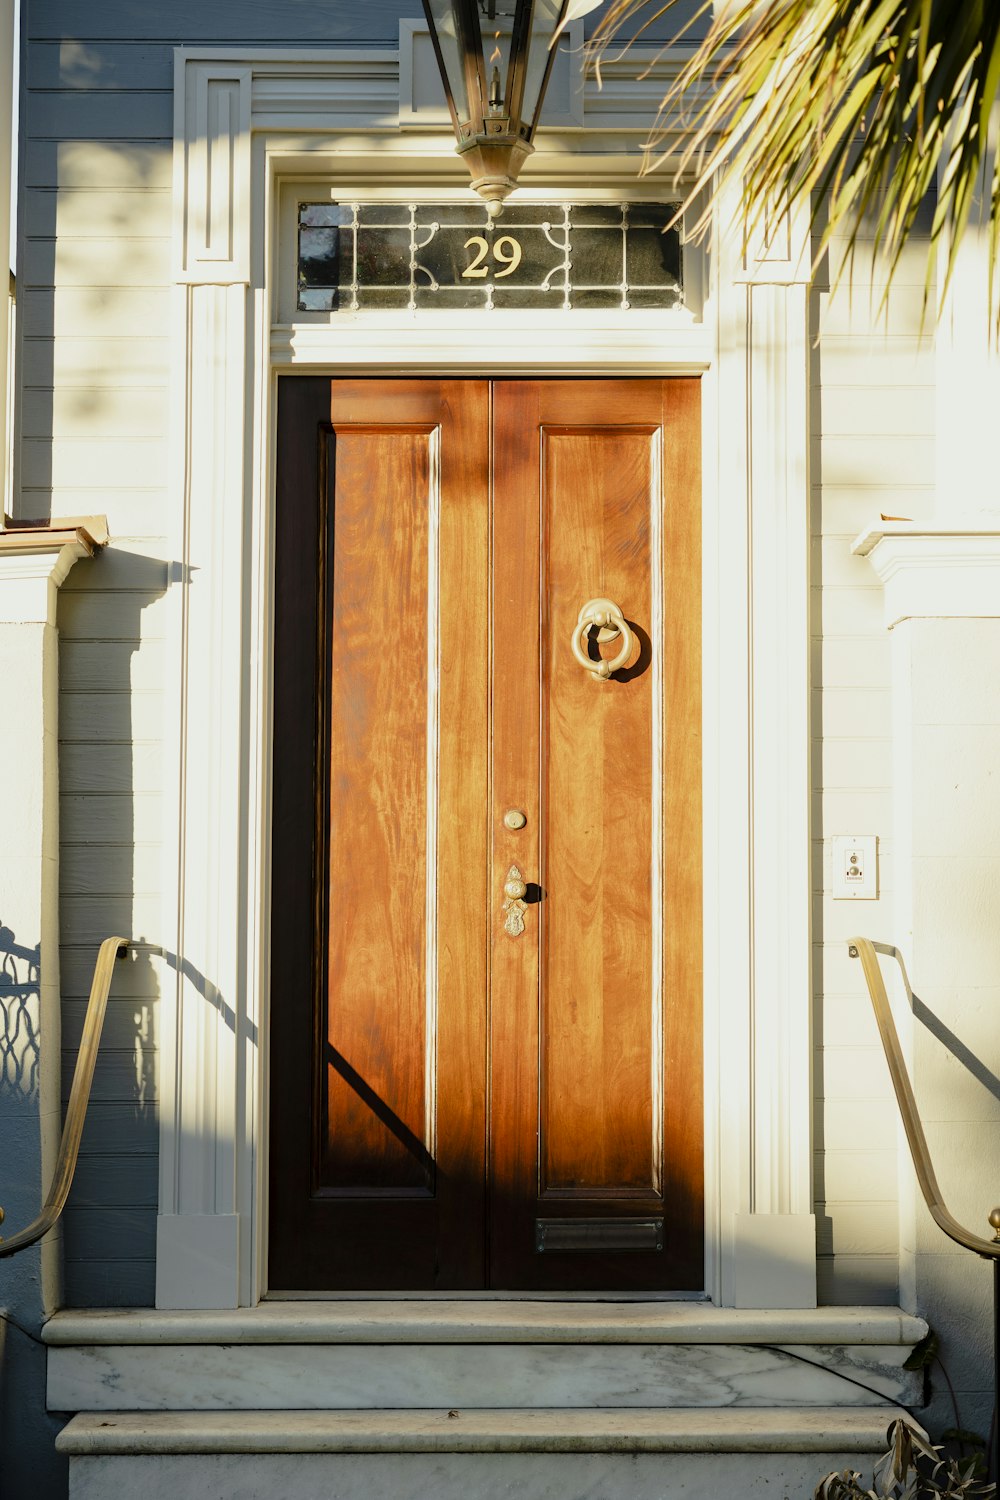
(607,615)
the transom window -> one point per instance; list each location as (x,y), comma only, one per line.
(356,256)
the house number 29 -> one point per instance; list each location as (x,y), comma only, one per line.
(506,251)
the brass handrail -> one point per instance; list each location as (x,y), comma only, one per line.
(79,1098)
(867,951)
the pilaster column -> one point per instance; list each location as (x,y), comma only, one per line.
(942,605)
(209,1043)
(763,327)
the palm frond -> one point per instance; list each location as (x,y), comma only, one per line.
(864,106)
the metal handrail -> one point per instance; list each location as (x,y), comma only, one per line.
(867,950)
(79,1098)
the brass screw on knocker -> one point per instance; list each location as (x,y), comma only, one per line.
(607,615)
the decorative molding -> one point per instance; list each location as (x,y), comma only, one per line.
(33,565)
(298,105)
(779,250)
(931,571)
(212,172)
(641,344)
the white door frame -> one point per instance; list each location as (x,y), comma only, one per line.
(246,122)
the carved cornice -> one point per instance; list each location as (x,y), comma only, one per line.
(934,571)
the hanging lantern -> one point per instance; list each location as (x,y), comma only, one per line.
(495,58)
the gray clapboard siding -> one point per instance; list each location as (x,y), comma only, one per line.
(77,311)
(87,213)
(84,816)
(837,709)
(90,919)
(110,869)
(124,115)
(110,1283)
(862,1176)
(135,978)
(99,65)
(851,664)
(898,410)
(111,768)
(863,460)
(91,461)
(127,259)
(109,666)
(115,1182)
(127,1019)
(123,615)
(113,1130)
(858,1280)
(91,1232)
(129,165)
(81,411)
(126,1076)
(858,1229)
(230,21)
(94,362)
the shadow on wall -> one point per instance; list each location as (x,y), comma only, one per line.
(110,882)
(19,1017)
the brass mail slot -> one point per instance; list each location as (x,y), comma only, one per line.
(597,1235)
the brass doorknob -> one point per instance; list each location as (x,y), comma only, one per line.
(514,890)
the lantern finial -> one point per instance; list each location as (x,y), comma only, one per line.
(495,84)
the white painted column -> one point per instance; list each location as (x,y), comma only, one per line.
(32,566)
(764,343)
(942,605)
(207,1034)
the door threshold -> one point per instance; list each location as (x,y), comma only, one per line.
(485,1296)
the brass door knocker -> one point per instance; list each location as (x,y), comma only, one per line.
(607,615)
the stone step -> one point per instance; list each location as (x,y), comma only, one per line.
(478,1355)
(213,1377)
(475,1320)
(544,1454)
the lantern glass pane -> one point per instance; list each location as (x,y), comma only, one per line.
(545,18)
(446,27)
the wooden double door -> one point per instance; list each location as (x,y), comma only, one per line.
(475,1085)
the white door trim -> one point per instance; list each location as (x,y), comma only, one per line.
(245,122)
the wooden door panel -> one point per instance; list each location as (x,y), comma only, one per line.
(400,1005)
(596,1007)
(387,1181)
(378,1131)
(599,982)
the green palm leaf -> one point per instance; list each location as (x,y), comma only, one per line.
(864,106)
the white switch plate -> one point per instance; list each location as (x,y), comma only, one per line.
(855,867)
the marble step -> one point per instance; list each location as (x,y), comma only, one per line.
(482,1354)
(219,1377)
(545,1454)
(397,1319)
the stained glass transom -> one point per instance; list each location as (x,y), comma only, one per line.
(356,256)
